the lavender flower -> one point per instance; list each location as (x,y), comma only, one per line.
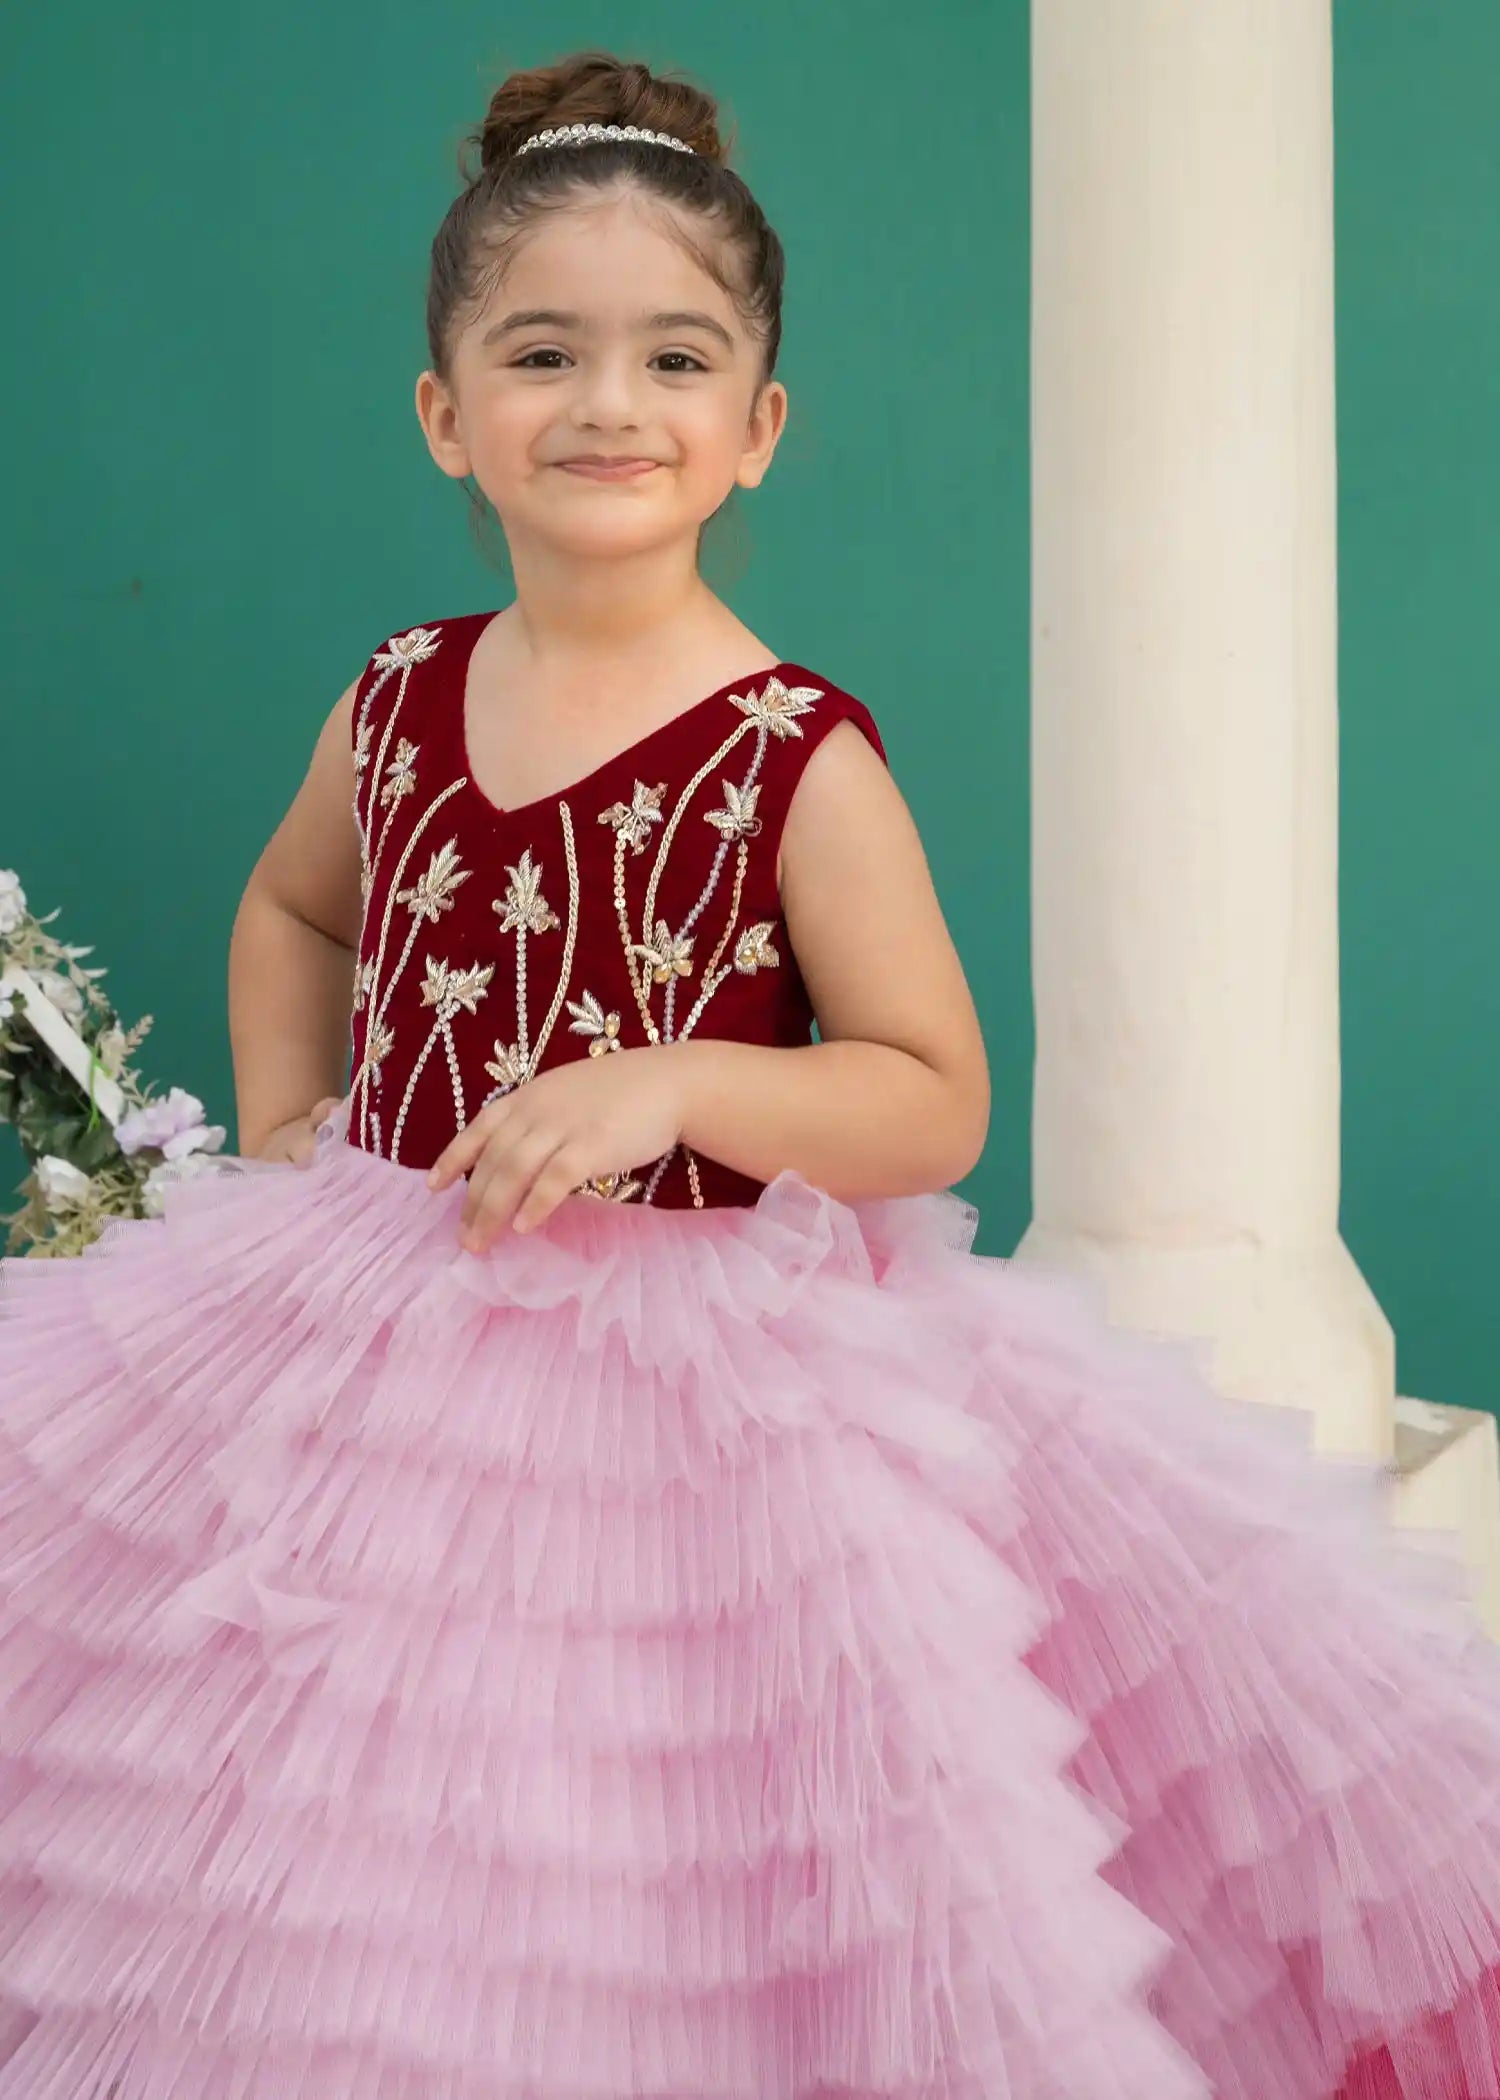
(174,1127)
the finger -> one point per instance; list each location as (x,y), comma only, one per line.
(457,1158)
(318,1122)
(500,1184)
(558,1180)
(497,1160)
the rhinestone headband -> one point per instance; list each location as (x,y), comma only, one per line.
(585,134)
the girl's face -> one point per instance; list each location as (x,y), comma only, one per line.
(604,342)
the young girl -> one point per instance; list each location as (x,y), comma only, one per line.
(565,1577)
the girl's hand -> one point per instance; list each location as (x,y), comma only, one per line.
(294,1143)
(580,1122)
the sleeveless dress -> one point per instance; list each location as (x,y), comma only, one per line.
(726,1643)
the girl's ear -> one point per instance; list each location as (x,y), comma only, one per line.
(767,421)
(437,412)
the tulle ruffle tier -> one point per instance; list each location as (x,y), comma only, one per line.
(759,1652)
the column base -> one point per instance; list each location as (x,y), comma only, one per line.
(1447,1484)
(1296,1327)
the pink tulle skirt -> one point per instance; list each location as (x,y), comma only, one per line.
(766,1653)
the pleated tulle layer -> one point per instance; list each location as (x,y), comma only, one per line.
(764,1652)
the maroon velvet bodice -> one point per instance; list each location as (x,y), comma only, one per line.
(638,906)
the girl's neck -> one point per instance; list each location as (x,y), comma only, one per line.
(593,643)
(570,614)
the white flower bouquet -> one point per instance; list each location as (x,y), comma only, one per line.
(99,1144)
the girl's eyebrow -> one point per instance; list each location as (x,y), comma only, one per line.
(553,317)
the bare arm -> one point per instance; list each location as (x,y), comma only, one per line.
(895,1098)
(292,952)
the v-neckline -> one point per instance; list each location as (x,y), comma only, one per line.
(513,812)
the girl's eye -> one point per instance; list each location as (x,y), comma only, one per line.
(688,361)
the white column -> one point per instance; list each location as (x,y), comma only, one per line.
(1185,859)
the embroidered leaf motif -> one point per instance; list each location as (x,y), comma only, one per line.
(612,1188)
(507,1066)
(400,775)
(432,893)
(362,740)
(590,1019)
(413,647)
(737,819)
(669,954)
(378,1048)
(364,979)
(777,706)
(524,905)
(448,990)
(753,950)
(634,819)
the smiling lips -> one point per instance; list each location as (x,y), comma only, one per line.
(600,469)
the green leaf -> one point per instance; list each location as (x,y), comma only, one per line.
(50,1122)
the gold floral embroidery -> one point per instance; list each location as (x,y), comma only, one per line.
(684,802)
(379,1043)
(777,707)
(590,1019)
(611,1188)
(524,906)
(400,775)
(399,654)
(432,893)
(507,1067)
(364,811)
(523,911)
(669,955)
(642,979)
(775,711)
(737,819)
(364,977)
(661,956)
(449,989)
(380,998)
(753,950)
(633,820)
(413,647)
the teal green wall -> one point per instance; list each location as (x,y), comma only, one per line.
(221,501)
(1419,445)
